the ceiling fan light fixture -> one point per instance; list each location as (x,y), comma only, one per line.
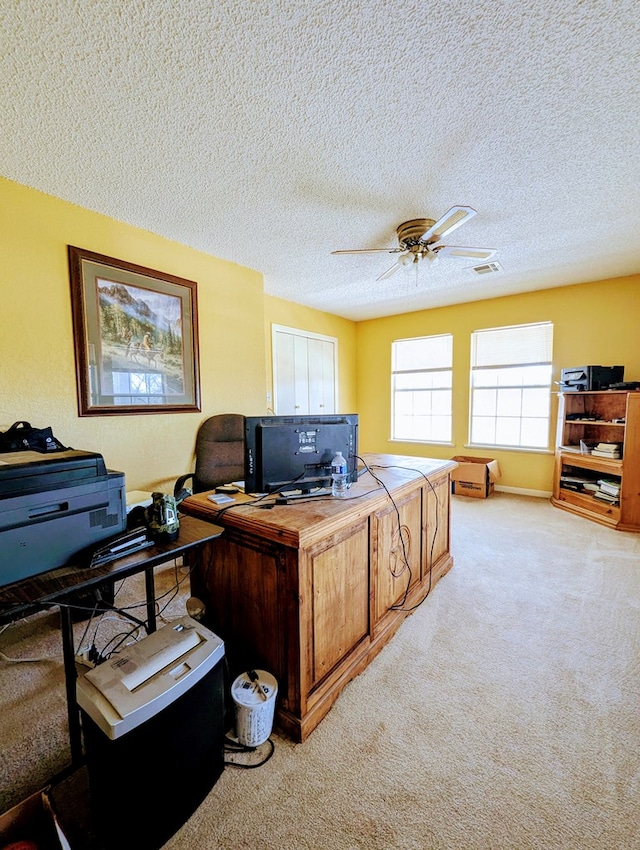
(418,238)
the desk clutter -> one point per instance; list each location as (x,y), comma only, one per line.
(35,741)
(60,505)
(152,698)
(157,700)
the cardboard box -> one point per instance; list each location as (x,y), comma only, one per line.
(474,476)
(33,820)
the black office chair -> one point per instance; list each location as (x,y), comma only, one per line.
(219,454)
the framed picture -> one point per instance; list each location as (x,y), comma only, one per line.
(136,337)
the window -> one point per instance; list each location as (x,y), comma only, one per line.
(421,381)
(511,386)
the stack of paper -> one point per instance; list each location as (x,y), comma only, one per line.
(612,451)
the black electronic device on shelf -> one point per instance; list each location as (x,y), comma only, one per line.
(285,453)
(590,378)
(625,385)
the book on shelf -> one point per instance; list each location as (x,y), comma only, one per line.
(571,485)
(573,482)
(605,489)
(611,487)
(606,497)
(612,451)
(591,486)
(608,455)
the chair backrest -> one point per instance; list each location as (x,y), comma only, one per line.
(219,451)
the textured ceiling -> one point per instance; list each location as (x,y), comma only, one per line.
(272,133)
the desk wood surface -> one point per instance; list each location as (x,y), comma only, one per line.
(299,523)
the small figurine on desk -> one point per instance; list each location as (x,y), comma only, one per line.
(162,518)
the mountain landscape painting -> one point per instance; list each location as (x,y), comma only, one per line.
(141,336)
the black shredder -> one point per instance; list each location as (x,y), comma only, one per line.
(153,724)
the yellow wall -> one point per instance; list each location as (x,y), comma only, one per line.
(594,323)
(279,312)
(36,341)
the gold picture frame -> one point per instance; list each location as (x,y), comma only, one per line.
(135,337)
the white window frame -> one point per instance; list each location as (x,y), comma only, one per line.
(510,387)
(422,392)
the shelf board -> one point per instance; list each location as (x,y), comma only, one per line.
(589,503)
(575,452)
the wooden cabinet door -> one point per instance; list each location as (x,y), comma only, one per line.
(396,540)
(436,525)
(240,586)
(336,577)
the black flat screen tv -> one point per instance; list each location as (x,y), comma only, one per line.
(285,453)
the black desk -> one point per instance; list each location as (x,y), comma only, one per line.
(56,586)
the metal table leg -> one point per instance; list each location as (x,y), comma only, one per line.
(70,676)
(150,589)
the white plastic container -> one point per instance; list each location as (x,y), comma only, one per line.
(339,471)
(254,712)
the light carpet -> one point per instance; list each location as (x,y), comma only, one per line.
(503,714)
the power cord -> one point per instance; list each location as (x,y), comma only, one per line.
(89,655)
(401,605)
(11,660)
(233,746)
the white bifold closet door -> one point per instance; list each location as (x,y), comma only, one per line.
(304,372)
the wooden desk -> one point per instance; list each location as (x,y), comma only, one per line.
(57,586)
(312,591)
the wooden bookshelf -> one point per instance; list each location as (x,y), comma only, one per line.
(584,420)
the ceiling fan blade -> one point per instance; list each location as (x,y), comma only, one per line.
(394,268)
(465,253)
(449,221)
(369,251)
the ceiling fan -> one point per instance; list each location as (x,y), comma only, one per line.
(418,240)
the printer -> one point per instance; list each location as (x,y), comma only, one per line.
(590,378)
(54,506)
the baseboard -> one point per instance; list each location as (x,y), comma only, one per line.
(523,491)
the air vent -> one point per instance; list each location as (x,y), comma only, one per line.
(101,518)
(487,268)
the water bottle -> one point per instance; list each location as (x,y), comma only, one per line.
(339,484)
